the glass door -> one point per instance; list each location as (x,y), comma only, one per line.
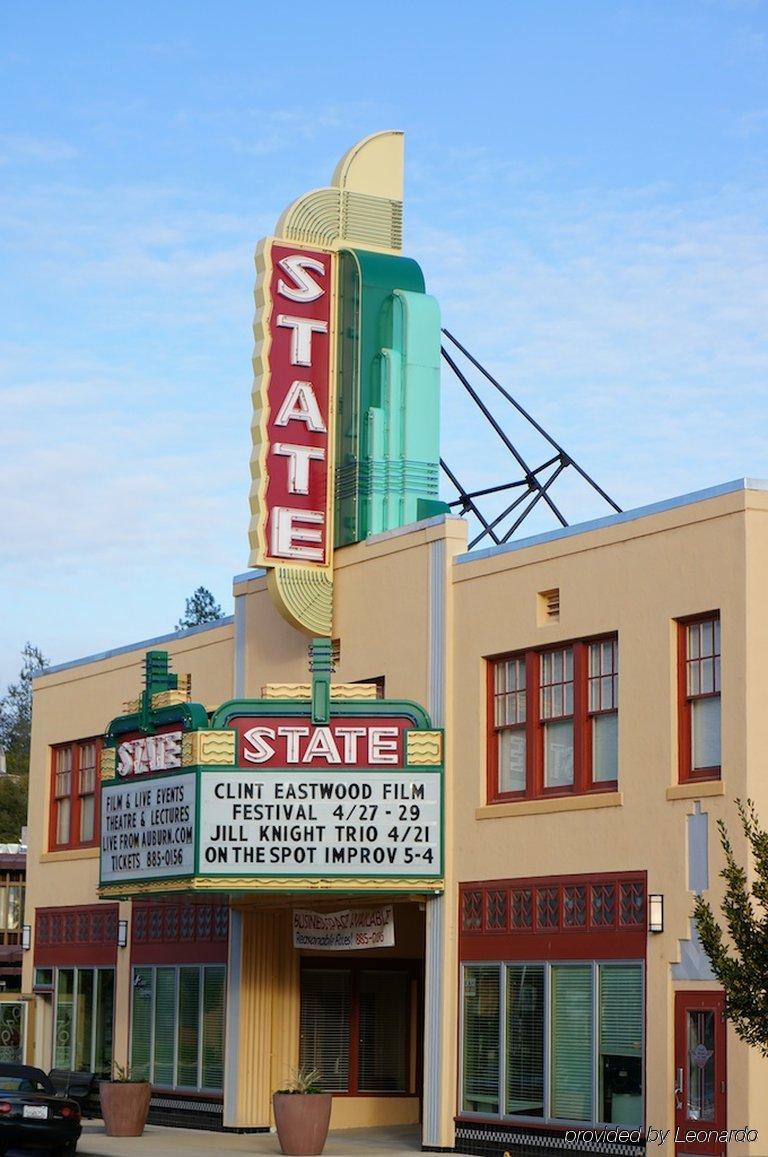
(700,1083)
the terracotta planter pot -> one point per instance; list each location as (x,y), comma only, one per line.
(124,1107)
(302,1121)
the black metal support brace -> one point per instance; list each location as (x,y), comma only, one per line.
(533,487)
(533,422)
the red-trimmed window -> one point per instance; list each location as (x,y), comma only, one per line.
(74,795)
(699,697)
(603,709)
(553,721)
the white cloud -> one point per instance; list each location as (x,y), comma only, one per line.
(15,148)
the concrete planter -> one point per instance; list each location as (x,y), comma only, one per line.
(124,1107)
(302,1121)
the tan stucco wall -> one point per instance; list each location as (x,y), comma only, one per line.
(634,577)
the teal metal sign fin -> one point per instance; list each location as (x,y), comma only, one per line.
(388,450)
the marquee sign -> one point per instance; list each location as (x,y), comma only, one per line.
(329,789)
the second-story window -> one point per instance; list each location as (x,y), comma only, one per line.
(699,682)
(603,709)
(509,708)
(553,720)
(86,790)
(62,791)
(557,716)
(75,780)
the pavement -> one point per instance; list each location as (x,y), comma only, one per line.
(157,1141)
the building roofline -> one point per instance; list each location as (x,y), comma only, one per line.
(738,484)
(247,575)
(141,645)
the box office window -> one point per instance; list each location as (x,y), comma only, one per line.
(699,697)
(355,1026)
(74,791)
(553,720)
(556,1042)
(177,1026)
(83,1017)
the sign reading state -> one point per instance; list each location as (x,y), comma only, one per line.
(318,788)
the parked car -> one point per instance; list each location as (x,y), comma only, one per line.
(33,1114)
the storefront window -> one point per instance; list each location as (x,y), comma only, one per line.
(481,1040)
(621,1044)
(83,1019)
(177,1026)
(586,1017)
(525,1040)
(572,1047)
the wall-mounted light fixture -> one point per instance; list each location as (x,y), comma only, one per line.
(26,937)
(655,912)
(122,933)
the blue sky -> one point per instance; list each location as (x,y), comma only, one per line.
(586,189)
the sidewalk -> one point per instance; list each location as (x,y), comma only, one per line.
(157,1141)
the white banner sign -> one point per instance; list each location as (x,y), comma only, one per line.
(148,828)
(341,931)
(320,823)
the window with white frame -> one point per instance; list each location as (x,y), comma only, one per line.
(177,1025)
(554,1041)
(83,1017)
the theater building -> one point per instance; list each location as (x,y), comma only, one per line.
(430,820)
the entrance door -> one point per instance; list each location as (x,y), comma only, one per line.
(700,1096)
(359,1026)
(13,1022)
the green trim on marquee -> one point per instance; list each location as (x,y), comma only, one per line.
(293,708)
(158,677)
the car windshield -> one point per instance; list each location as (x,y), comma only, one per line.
(22,1085)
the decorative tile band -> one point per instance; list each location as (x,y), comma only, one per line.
(207,748)
(492,1140)
(108,762)
(424,748)
(343,691)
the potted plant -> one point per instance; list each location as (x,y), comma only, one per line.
(124,1103)
(302,1114)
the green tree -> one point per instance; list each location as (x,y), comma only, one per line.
(13,807)
(738,950)
(201,608)
(16,712)
(15,729)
